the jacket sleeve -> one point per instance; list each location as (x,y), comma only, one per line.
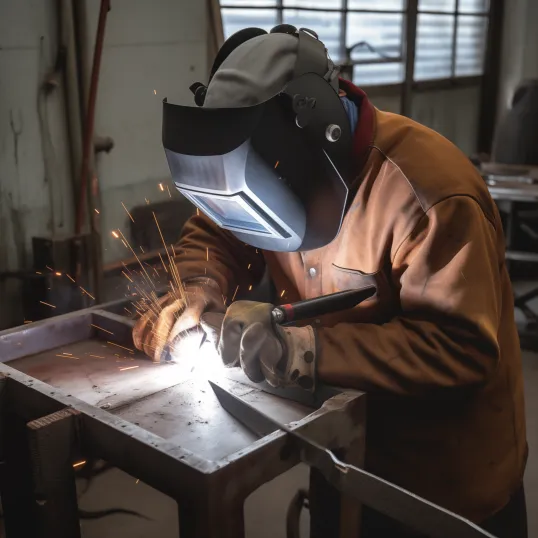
(448,272)
(205,250)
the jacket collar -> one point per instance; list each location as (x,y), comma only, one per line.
(363,138)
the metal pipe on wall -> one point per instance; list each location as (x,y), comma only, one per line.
(90,115)
(88,165)
(72,92)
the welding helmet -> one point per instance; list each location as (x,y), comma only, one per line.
(266,153)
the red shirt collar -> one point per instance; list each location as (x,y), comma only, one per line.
(365,130)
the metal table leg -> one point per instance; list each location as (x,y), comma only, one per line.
(211,518)
(16,486)
(52,444)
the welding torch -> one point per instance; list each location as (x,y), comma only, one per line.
(318,306)
(309,308)
(326,304)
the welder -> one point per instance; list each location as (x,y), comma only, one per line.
(296,173)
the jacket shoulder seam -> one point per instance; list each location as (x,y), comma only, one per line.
(486,215)
(434,205)
(403,175)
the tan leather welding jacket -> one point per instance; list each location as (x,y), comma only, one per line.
(436,348)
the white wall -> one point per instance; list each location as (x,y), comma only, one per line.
(35,188)
(34,162)
(159,45)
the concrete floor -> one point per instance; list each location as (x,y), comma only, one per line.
(266,508)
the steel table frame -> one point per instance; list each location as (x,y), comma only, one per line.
(510,189)
(43,431)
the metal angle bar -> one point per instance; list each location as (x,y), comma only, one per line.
(389,499)
(52,448)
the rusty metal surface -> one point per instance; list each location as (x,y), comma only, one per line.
(51,440)
(189,414)
(155,397)
(93,372)
(155,422)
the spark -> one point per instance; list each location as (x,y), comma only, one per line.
(127,276)
(101,328)
(127,211)
(277,163)
(283,292)
(162,261)
(137,480)
(128,368)
(88,294)
(197,212)
(123,347)
(141,250)
(155,92)
(250,288)
(27,321)
(51,305)
(57,273)
(96,210)
(235,293)
(68,357)
(138,259)
(70,277)
(147,201)
(161,186)
(173,268)
(207,253)
(97,356)
(169,193)
(115,234)
(79,463)
(38,273)
(128,311)
(49,268)
(249,266)
(65,353)
(124,243)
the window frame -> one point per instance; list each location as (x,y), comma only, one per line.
(488,81)
(409,13)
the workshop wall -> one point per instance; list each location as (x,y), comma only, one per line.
(35,189)
(519,59)
(152,50)
(453,112)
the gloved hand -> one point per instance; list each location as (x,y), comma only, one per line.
(176,316)
(284,356)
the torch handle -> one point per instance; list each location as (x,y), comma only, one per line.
(326,304)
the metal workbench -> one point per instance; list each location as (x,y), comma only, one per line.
(510,189)
(69,392)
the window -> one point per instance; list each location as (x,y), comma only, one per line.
(370,36)
(451,37)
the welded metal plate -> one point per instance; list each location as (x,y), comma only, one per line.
(191,415)
(98,373)
(164,399)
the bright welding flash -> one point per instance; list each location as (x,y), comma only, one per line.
(195,360)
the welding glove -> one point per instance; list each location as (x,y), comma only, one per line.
(175,315)
(283,356)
